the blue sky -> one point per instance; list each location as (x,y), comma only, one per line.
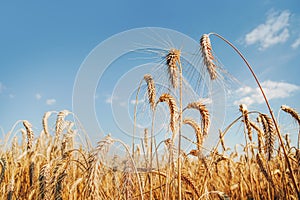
(44,43)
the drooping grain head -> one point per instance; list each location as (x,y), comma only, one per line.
(205,117)
(170,100)
(208,58)
(292,112)
(103,146)
(151,90)
(197,130)
(172,59)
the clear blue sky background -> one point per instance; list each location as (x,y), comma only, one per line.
(43,43)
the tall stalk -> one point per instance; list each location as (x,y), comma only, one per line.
(179,132)
(269,108)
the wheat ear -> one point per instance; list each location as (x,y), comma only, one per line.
(205,117)
(289,165)
(292,112)
(10,189)
(172,59)
(30,134)
(197,130)
(44,180)
(60,123)
(269,136)
(208,58)
(45,123)
(295,115)
(151,90)
(3,168)
(263,169)
(244,111)
(170,100)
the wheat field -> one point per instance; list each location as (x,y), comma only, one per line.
(52,164)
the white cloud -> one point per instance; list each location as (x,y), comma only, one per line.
(133,101)
(273,90)
(11,96)
(109,100)
(272,32)
(2,87)
(50,102)
(38,96)
(296,44)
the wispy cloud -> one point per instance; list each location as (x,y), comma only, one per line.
(38,96)
(133,101)
(2,87)
(273,31)
(50,102)
(296,44)
(109,99)
(273,90)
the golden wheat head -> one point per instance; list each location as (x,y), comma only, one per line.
(208,58)
(205,117)
(172,59)
(151,90)
(170,100)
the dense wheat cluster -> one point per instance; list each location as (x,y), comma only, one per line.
(52,164)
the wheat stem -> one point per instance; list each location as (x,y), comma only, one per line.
(269,108)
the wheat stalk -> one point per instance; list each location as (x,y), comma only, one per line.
(221,136)
(289,165)
(172,58)
(172,150)
(259,136)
